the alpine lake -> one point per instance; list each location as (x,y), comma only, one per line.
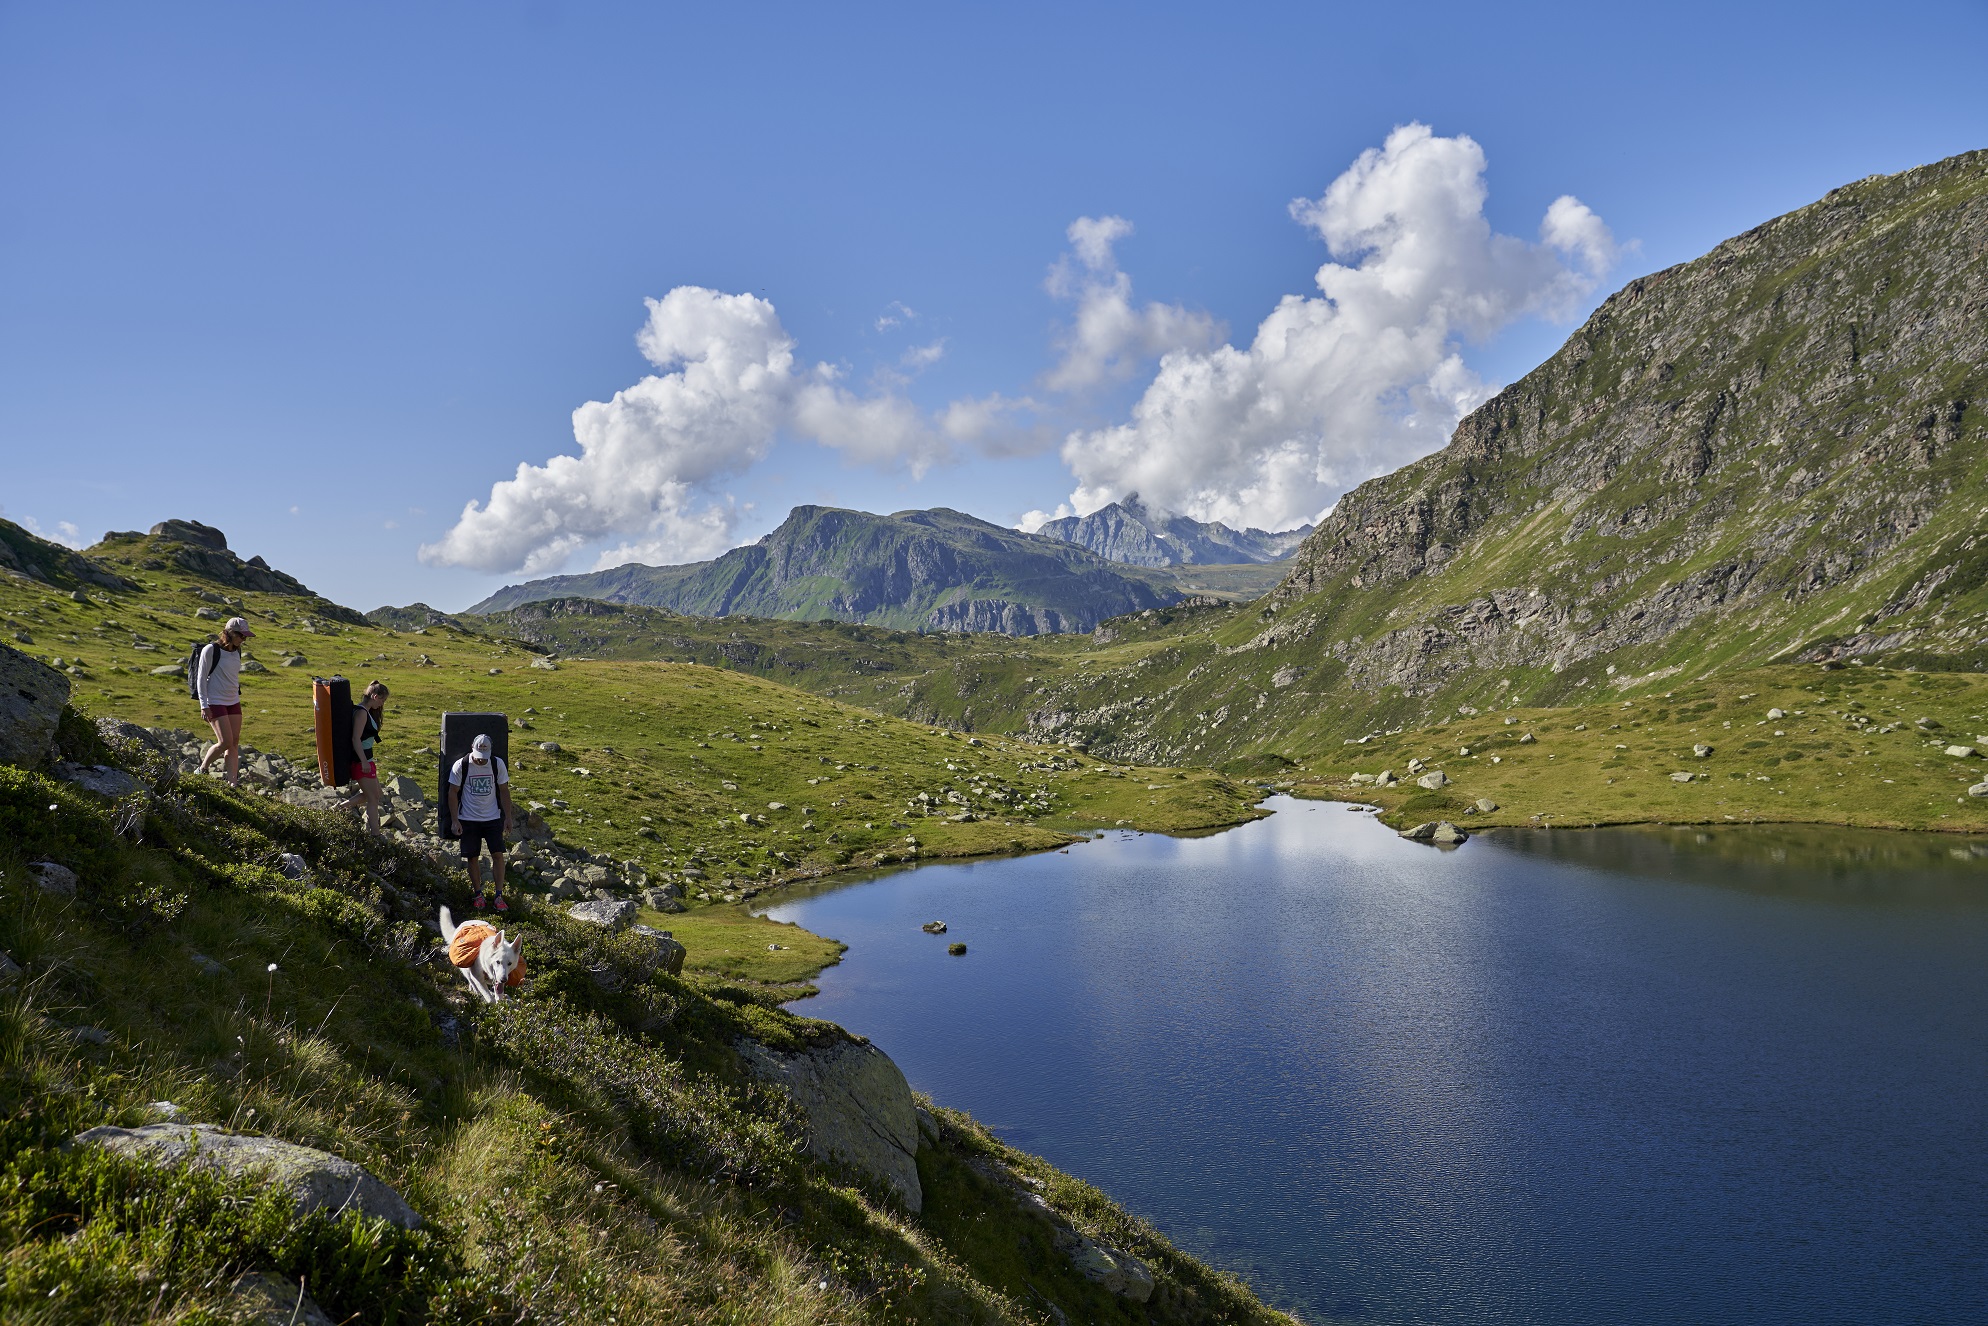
(1681,1075)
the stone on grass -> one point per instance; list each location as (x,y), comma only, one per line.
(1960,752)
(314,1179)
(102,779)
(1777,713)
(1682,776)
(31,698)
(614,913)
(1701,750)
(1432,780)
(53,878)
(1978,790)
(549,747)
(1526,739)
(1485,805)
(293,866)
(543,663)
(857,1105)
(9,969)
(169,670)
(276,1300)
(667,950)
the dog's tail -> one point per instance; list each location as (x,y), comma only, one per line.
(448,924)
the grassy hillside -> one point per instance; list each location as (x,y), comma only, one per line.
(657,761)
(590,1151)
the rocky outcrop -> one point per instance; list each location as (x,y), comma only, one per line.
(317,1180)
(34,558)
(858,1107)
(32,696)
(1127,531)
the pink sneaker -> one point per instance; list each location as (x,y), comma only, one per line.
(477,902)
(502,906)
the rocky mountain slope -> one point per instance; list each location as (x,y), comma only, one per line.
(1127,531)
(915,570)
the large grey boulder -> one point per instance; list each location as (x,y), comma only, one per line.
(858,1107)
(614,913)
(31,698)
(317,1180)
(1432,780)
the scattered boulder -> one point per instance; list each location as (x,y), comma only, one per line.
(1960,752)
(1416,766)
(315,1179)
(32,695)
(543,663)
(934,927)
(1448,833)
(1420,833)
(293,866)
(857,1104)
(1432,780)
(1485,805)
(400,785)
(1701,750)
(1682,776)
(1978,790)
(614,913)
(1526,739)
(1113,1268)
(1923,724)
(276,1300)
(668,952)
(549,747)
(53,878)
(1777,713)
(102,779)
(296,661)
(1361,779)
(191,531)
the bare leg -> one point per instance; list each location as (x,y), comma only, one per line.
(476,872)
(497,871)
(370,788)
(231,738)
(220,743)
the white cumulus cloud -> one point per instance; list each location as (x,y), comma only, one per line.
(650,459)
(1109,337)
(1364,376)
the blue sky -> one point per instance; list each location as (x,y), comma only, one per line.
(321,275)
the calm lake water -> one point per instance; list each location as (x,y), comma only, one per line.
(1609,1076)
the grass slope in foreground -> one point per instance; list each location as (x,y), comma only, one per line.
(587,1152)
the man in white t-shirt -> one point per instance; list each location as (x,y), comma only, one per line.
(480,805)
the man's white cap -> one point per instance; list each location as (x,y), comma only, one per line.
(481,746)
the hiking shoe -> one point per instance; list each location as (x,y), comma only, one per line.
(477,902)
(503,906)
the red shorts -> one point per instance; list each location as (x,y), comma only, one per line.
(210,712)
(370,769)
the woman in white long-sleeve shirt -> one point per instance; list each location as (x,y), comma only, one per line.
(218,683)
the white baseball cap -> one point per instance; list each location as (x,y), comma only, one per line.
(480,748)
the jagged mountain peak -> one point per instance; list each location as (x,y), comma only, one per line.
(1129,531)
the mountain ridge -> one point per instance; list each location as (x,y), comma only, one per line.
(914,570)
(1128,531)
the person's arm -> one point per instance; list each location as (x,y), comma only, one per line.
(455,799)
(504,800)
(202,671)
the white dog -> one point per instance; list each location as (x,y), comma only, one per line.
(487,958)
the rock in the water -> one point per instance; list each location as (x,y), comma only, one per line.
(1432,780)
(1446,832)
(1701,750)
(614,913)
(1485,805)
(315,1179)
(277,1301)
(858,1107)
(102,779)
(934,927)
(31,698)
(52,877)
(1421,833)
(1681,776)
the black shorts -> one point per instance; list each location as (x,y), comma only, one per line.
(475,833)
